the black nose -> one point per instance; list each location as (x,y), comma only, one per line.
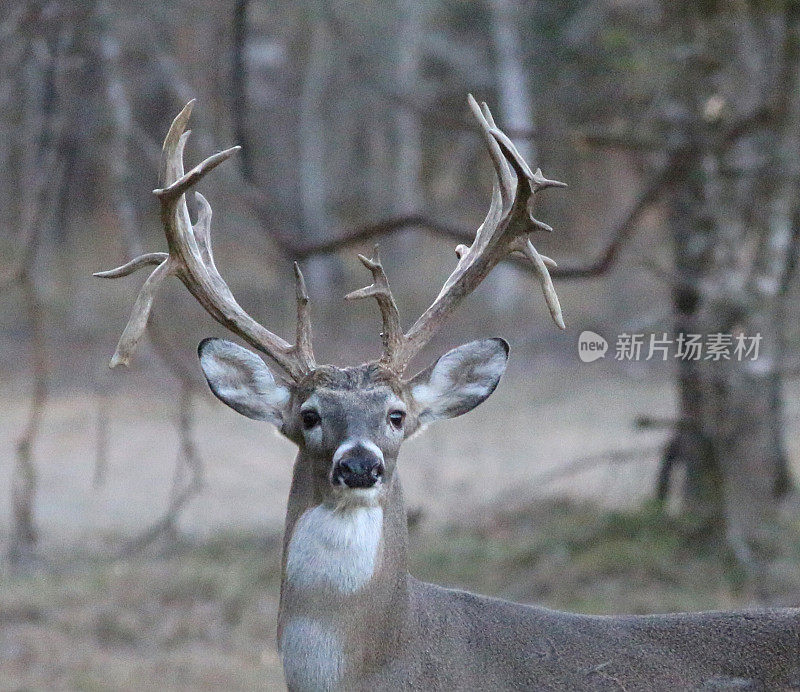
(358,471)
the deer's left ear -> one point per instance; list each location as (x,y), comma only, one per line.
(460,380)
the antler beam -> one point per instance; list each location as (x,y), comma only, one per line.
(505,230)
(191,259)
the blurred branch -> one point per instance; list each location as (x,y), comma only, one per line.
(617,138)
(311,156)
(586,463)
(361,234)
(24,478)
(760,117)
(435,117)
(183,491)
(239,85)
(123,130)
(653,189)
(101,436)
(633,138)
(651,192)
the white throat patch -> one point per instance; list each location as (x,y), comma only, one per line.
(334,548)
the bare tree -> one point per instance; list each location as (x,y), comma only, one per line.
(409,131)
(39,78)
(734,218)
(516,99)
(188,479)
(732,192)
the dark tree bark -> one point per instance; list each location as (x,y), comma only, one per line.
(733,215)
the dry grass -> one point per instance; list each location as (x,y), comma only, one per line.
(576,556)
(202,616)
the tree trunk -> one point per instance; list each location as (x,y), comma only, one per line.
(409,131)
(514,91)
(312,136)
(733,215)
(516,113)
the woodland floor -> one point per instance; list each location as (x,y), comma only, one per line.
(201,615)
(540,496)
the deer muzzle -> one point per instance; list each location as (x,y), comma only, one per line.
(358,465)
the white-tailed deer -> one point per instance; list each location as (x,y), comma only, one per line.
(351,617)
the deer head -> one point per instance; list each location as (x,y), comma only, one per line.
(349,423)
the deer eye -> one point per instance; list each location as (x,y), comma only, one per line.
(310,419)
(396,418)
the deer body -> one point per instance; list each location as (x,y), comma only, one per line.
(394,632)
(351,617)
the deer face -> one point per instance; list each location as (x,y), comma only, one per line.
(350,422)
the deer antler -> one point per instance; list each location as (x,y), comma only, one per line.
(190,258)
(505,230)
(392,334)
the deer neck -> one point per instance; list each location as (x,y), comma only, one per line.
(344,591)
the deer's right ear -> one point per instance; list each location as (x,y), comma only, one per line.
(240,379)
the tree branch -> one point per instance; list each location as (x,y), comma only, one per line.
(183,490)
(620,234)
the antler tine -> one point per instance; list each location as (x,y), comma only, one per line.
(140,313)
(550,296)
(392,334)
(146,260)
(303,347)
(191,259)
(535,181)
(505,230)
(505,180)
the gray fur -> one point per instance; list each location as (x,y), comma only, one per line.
(352,618)
(460,380)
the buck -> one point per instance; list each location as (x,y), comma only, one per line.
(351,617)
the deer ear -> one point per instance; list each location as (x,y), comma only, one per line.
(460,380)
(240,379)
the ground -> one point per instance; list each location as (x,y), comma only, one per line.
(539,496)
(201,615)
